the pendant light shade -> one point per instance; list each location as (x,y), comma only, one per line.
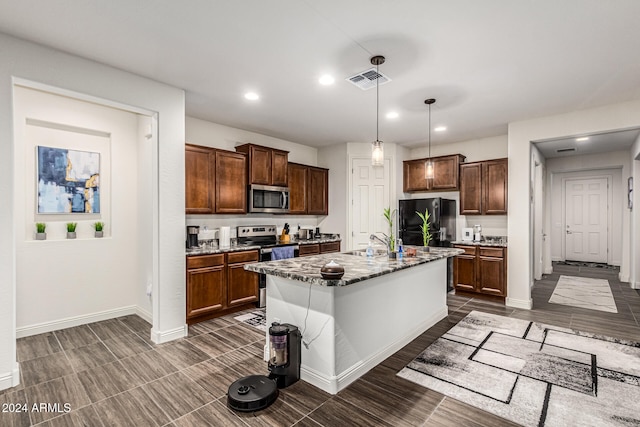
(428,165)
(377,148)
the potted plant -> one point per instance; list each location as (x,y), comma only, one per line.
(99,226)
(388,215)
(426,234)
(40,231)
(71,230)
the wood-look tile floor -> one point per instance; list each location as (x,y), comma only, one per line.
(112,375)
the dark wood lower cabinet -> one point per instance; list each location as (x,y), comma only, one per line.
(242,284)
(308,250)
(329,247)
(218,284)
(481,270)
(319,248)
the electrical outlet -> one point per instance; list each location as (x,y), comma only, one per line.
(149,289)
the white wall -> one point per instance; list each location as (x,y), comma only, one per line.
(634,226)
(335,158)
(607,118)
(615,166)
(475,150)
(50,67)
(209,134)
(77,282)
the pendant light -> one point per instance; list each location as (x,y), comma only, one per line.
(428,165)
(377,149)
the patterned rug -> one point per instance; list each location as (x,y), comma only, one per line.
(257,319)
(533,374)
(584,292)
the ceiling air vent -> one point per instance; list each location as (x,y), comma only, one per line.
(565,150)
(367,79)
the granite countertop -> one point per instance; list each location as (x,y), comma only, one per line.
(206,250)
(481,243)
(357,267)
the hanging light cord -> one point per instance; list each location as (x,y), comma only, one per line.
(377,101)
(429,132)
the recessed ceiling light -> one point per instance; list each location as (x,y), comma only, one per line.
(326,80)
(584,138)
(251,96)
(392,115)
(440,128)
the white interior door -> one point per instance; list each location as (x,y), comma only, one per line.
(369,196)
(586,211)
(538,212)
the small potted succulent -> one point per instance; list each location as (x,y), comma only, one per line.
(41,231)
(99,226)
(426,234)
(71,230)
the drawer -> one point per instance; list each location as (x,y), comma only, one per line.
(244,256)
(468,250)
(205,261)
(329,247)
(492,252)
(306,250)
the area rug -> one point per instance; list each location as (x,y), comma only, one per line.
(587,264)
(533,374)
(257,319)
(584,292)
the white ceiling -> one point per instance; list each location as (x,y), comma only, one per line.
(596,143)
(487,62)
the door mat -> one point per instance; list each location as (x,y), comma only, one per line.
(584,292)
(533,374)
(257,319)
(587,264)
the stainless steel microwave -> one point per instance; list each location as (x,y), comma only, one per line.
(269,199)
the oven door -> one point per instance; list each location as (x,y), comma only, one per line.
(268,199)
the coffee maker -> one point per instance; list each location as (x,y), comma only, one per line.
(192,236)
(284,354)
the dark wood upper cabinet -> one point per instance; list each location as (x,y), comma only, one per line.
(199,182)
(297,188)
(215,181)
(483,187)
(266,166)
(230,182)
(495,187)
(446,174)
(318,191)
(471,189)
(279,166)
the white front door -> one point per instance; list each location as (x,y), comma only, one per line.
(586,210)
(369,197)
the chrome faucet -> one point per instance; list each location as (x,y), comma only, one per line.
(385,242)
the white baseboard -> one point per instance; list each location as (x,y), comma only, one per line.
(623,278)
(40,328)
(634,285)
(548,270)
(525,304)
(161,337)
(10,379)
(333,384)
(144,314)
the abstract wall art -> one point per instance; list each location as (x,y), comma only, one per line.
(68,181)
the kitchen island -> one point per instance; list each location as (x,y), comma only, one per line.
(352,324)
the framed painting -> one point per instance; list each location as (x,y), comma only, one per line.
(68,181)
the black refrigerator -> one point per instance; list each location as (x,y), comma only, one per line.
(442,220)
(443,225)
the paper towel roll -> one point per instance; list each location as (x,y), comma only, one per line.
(225,237)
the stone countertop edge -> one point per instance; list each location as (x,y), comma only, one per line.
(357,267)
(467,243)
(237,248)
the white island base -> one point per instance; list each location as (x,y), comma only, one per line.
(351,329)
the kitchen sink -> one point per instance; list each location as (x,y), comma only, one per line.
(363,253)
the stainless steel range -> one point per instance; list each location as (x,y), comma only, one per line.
(265,236)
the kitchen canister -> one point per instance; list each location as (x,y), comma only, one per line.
(224,237)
